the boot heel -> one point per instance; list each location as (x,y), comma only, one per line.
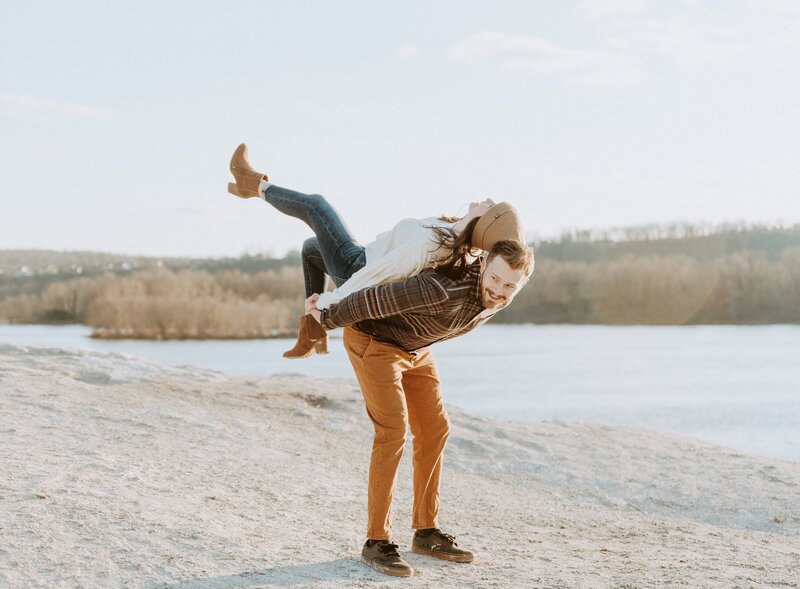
(233,189)
(321,346)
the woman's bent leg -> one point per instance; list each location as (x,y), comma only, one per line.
(335,245)
(313,267)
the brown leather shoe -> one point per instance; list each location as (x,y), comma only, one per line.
(312,338)
(382,555)
(436,543)
(247,179)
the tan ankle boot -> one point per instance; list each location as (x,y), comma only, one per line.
(312,338)
(247,179)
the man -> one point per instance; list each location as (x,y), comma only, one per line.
(388,331)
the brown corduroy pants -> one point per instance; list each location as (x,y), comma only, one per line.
(399,390)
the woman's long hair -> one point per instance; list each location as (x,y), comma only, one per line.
(454,262)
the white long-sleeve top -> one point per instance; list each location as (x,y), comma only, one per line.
(404,251)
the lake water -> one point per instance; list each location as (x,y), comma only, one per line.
(738,386)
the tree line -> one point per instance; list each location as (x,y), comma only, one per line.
(672,289)
(169,304)
(741,288)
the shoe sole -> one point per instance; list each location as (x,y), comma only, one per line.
(289,356)
(388,570)
(443,555)
(308,354)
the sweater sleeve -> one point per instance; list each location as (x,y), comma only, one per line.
(423,294)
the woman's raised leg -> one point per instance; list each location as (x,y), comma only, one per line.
(333,251)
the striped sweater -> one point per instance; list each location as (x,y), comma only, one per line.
(415,312)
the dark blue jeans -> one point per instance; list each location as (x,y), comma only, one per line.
(334,251)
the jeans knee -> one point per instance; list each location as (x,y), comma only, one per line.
(310,246)
(317,200)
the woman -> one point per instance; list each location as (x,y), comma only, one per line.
(445,243)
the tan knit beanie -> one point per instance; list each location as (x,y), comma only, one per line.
(500,222)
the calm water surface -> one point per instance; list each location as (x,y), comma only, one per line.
(738,386)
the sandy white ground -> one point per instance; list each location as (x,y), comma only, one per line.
(117,472)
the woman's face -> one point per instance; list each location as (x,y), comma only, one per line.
(476,209)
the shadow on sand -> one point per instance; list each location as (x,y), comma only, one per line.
(284,576)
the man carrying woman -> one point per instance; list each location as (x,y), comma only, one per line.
(423,282)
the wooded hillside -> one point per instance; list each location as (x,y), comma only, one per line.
(677,274)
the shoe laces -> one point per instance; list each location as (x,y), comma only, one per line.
(389,549)
(449,537)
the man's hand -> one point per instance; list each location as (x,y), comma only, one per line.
(311,302)
(311,307)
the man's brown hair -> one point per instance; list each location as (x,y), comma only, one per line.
(518,255)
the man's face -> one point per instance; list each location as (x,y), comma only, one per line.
(499,282)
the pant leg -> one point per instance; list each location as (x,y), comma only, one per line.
(335,244)
(313,267)
(430,427)
(379,368)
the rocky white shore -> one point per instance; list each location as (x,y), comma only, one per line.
(117,472)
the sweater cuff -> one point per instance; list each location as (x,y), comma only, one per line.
(323,302)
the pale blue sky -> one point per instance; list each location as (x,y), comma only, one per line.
(117,120)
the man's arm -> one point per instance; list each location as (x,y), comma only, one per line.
(422,294)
